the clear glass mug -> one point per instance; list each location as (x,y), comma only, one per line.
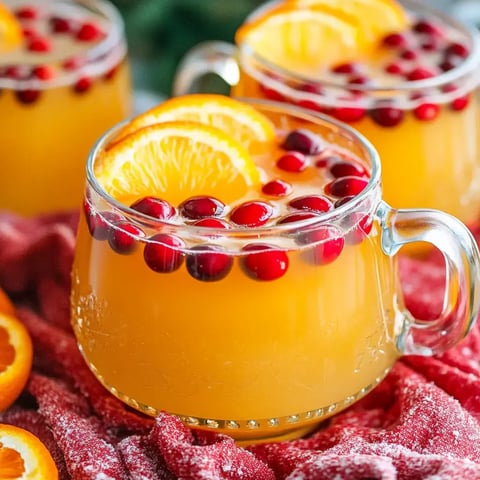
(262,360)
(60,90)
(429,146)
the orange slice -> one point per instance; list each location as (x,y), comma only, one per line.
(239,120)
(302,40)
(15,359)
(6,305)
(176,160)
(10,31)
(23,456)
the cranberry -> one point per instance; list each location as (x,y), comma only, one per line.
(420,73)
(16,72)
(61,25)
(309,105)
(89,32)
(346,186)
(314,88)
(457,49)
(251,214)
(265,263)
(346,68)
(296,217)
(292,162)
(211,223)
(100,223)
(343,201)
(163,253)
(349,114)
(83,84)
(304,141)
(426,111)
(449,63)
(27,96)
(327,161)
(208,263)
(154,207)
(73,63)
(313,203)
(409,54)
(328,244)
(28,12)
(430,28)
(29,32)
(277,188)
(460,103)
(395,40)
(344,168)
(386,115)
(201,206)
(122,237)
(111,73)
(43,72)
(430,45)
(271,93)
(395,68)
(39,44)
(362,227)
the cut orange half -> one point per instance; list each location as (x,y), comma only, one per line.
(176,160)
(239,120)
(15,359)
(23,456)
(302,40)
(10,32)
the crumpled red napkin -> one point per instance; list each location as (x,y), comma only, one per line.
(421,422)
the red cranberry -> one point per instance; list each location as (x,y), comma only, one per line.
(395,68)
(346,68)
(304,141)
(459,103)
(100,223)
(89,32)
(277,188)
(271,93)
(346,186)
(395,40)
(265,263)
(430,28)
(208,263)
(211,223)
(362,227)
(386,115)
(43,72)
(296,217)
(39,44)
(349,114)
(344,168)
(28,12)
(426,111)
(163,253)
(251,214)
(328,244)
(16,72)
(83,84)
(111,73)
(309,105)
(201,206)
(457,49)
(123,236)
(314,88)
(328,161)
(292,162)
(420,73)
(29,32)
(409,54)
(313,203)
(154,207)
(61,25)
(450,62)
(430,45)
(73,63)
(343,201)
(27,96)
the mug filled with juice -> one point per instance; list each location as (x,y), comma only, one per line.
(236,266)
(403,74)
(64,80)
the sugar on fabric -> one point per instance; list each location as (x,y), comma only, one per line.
(421,422)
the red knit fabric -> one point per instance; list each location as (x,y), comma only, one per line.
(421,422)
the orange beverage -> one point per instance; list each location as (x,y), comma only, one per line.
(65,83)
(403,74)
(245,279)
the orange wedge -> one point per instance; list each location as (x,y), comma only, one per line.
(176,160)
(23,456)
(10,31)
(15,359)
(239,120)
(302,40)
(6,305)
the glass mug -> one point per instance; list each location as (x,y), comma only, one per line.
(429,141)
(263,360)
(61,89)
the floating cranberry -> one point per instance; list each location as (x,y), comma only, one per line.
(208,263)
(343,201)
(450,62)
(111,73)
(27,96)
(277,188)
(420,73)
(346,68)
(327,243)
(296,217)
(292,162)
(154,207)
(16,72)
(61,25)
(164,253)
(314,88)
(43,72)
(349,114)
(346,186)
(327,161)
(432,44)
(73,63)
(39,44)
(344,168)
(265,262)
(395,68)
(386,115)
(304,141)
(271,93)
(100,223)
(458,50)
(428,27)
(395,40)
(313,203)
(27,12)
(211,223)
(29,32)
(251,214)
(460,103)
(83,84)
(426,111)
(409,54)
(122,237)
(309,105)
(89,32)
(201,206)
(362,227)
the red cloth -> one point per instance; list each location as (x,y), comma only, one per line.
(421,422)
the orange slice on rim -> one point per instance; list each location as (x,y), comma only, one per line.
(174,161)
(10,31)
(23,456)
(15,359)
(239,120)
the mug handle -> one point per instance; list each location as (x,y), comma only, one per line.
(207,57)
(462,268)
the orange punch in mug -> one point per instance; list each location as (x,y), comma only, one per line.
(236,266)
(404,75)
(64,80)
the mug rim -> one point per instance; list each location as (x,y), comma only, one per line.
(372,188)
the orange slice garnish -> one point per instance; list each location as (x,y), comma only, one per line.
(15,359)
(302,40)
(10,31)
(23,456)
(176,160)
(6,305)
(239,120)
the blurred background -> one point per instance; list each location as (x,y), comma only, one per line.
(160,32)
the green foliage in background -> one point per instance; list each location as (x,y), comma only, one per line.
(160,32)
